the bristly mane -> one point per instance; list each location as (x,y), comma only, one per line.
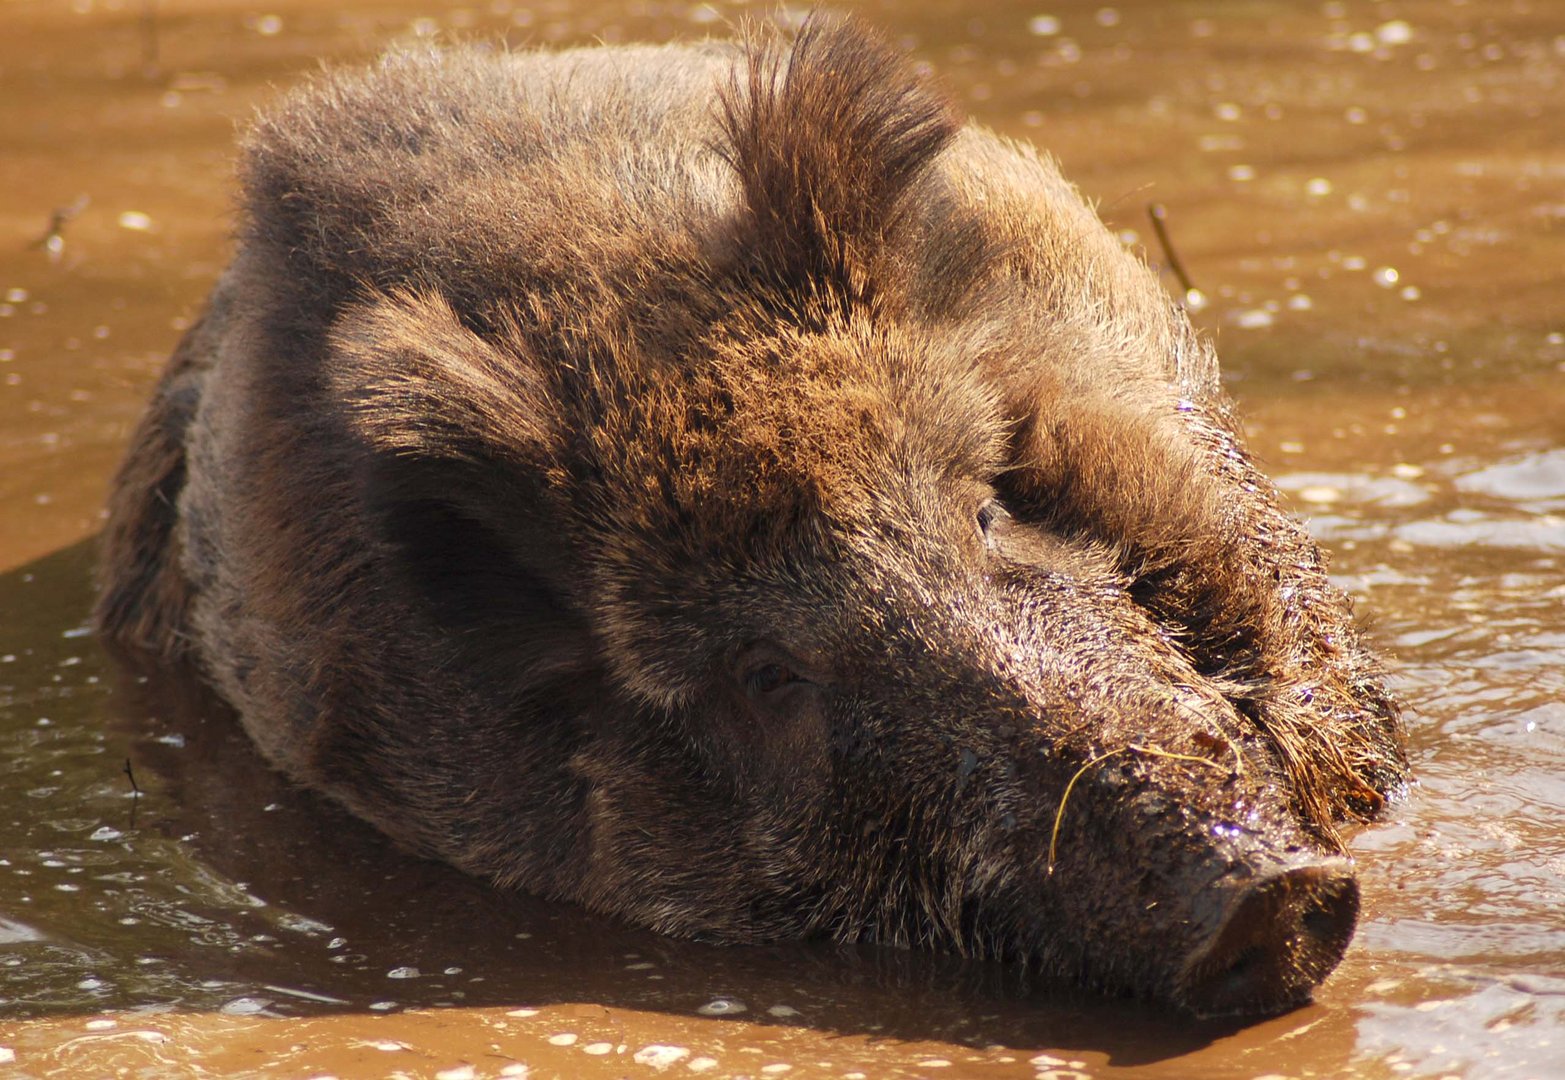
(826,138)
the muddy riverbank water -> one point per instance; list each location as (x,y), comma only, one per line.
(1370,195)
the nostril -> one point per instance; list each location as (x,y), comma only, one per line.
(1234,979)
(1323,920)
(1279,938)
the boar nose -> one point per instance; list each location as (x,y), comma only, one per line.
(1282,934)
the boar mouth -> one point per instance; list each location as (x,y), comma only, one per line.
(1281,935)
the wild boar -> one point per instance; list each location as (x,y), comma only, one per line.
(716,485)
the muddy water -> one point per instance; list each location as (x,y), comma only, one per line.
(1371,199)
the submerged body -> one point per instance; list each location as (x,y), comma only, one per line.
(713,485)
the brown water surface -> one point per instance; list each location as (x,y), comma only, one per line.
(1371,197)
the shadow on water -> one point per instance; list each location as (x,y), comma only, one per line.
(174,870)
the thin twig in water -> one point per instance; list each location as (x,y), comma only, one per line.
(135,792)
(1159,215)
(149,37)
(53,239)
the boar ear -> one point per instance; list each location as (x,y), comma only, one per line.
(826,139)
(458,434)
(423,387)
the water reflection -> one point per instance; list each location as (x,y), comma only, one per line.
(1368,196)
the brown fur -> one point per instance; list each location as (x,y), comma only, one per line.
(713,485)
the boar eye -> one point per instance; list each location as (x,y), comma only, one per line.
(769,678)
(990,514)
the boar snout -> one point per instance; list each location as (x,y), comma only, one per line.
(1209,896)
(1281,934)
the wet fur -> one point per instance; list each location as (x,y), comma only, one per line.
(539,379)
